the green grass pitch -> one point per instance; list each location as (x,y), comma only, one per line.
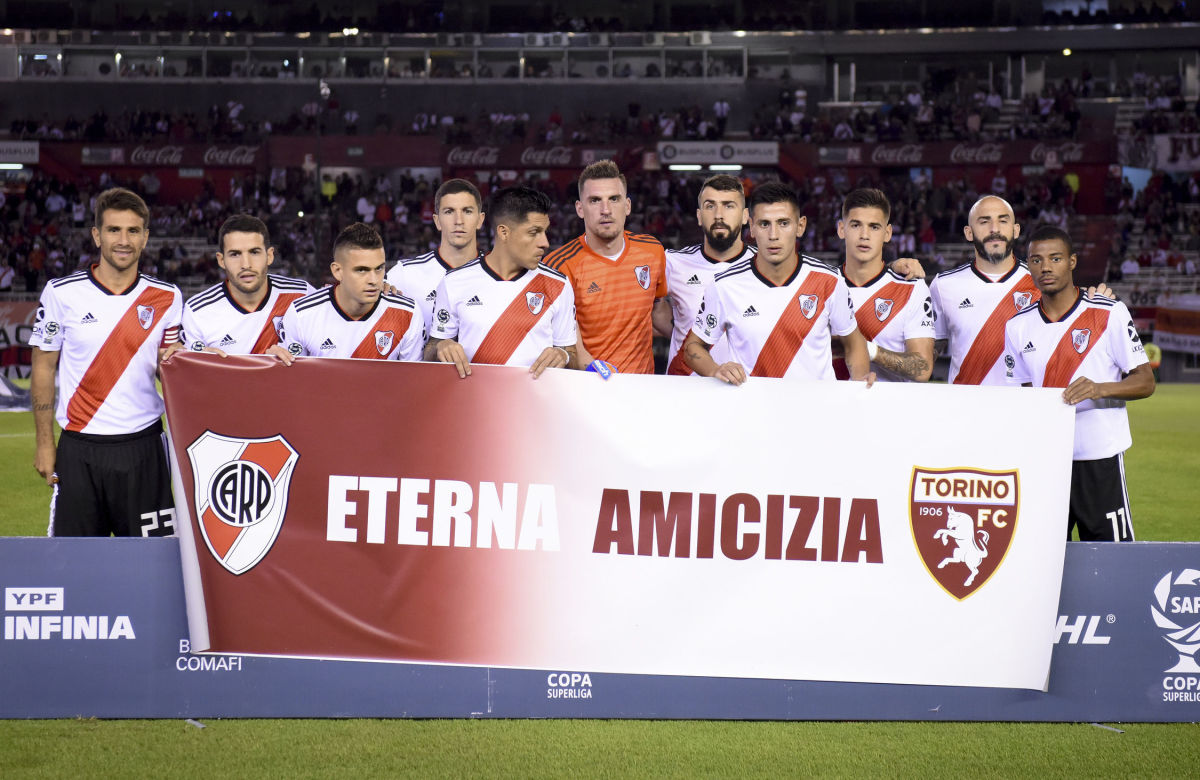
(1163,470)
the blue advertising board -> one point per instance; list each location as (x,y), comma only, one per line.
(97,628)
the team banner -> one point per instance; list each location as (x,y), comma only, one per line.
(1177,329)
(643,525)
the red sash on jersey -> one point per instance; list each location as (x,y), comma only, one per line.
(793,327)
(869,323)
(113,358)
(515,322)
(394,322)
(989,342)
(268,337)
(1065,359)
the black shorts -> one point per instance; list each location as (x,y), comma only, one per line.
(1099,501)
(112,485)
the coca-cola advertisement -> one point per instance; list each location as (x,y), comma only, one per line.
(515,156)
(167,155)
(942,153)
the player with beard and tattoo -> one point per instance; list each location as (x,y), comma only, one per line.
(722,215)
(972,303)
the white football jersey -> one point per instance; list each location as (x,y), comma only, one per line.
(890,310)
(108,344)
(1095,339)
(780,331)
(418,278)
(970,311)
(689,273)
(214,319)
(316,326)
(503,322)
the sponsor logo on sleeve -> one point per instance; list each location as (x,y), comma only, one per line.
(962,522)
(241,494)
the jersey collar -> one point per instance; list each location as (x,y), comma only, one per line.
(492,273)
(1016,267)
(347,317)
(92,276)
(877,277)
(786,282)
(232,302)
(1069,312)
(730,261)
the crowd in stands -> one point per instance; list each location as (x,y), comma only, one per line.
(542,16)
(44,230)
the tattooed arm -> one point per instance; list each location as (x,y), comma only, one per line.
(915,363)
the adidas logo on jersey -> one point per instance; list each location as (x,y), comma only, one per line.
(966,304)
(694,280)
(750,312)
(474,301)
(328,344)
(432,296)
(593,288)
(88,318)
(1028,348)
(225,342)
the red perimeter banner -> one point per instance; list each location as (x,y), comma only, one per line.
(652,525)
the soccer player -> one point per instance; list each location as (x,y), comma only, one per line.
(972,302)
(105,328)
(616,275)
(779,310)
(1088,345)
(722,214)
(243,314)
(458,214)
(506,308)
(894,314)
(354,318)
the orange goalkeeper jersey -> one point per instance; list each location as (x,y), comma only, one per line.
(614,298)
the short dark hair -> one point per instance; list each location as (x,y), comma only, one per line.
(358,236)
(453,187)
(513,205)
(773,192)
(1050,233)
(243,223)
(602,169)
(723,182)
(867,198)
(121,199)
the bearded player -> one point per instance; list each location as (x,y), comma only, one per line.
(722,215)
(1088,345)
(243,314)
(779,310)
(354,318)
(506,308)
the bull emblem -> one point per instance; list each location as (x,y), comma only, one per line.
(970,546)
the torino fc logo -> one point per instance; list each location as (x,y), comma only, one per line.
(241,492)
(962,524)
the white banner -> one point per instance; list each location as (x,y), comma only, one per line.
(645,525)
(708,152)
